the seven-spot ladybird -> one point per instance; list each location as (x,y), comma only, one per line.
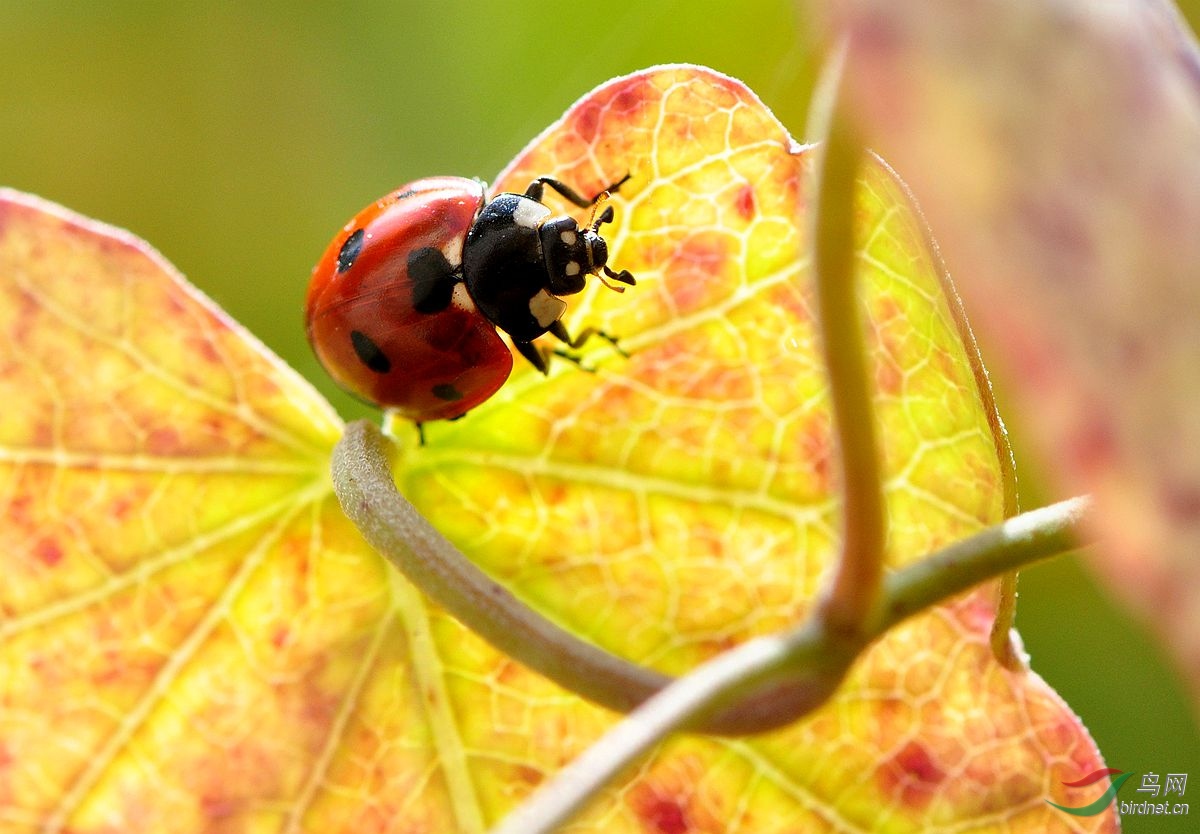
(403,307)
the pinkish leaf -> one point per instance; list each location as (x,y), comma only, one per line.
(1056,150)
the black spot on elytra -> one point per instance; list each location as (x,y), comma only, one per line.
(405,194)
(447,392)
(349,251)
(369,352)
(432,279)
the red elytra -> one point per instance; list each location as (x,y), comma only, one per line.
(365,328)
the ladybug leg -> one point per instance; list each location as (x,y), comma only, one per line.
(612,189)
(574,360)
(537,188)
(559,330)
(540,358)
(535,356)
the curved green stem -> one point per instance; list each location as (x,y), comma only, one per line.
(362,479)
(1014,543)
(1003,641)
(810,652)
(678,706)
(853,590)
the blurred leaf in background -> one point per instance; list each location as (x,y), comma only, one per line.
(237,138)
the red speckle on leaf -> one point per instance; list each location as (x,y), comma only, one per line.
(177,305)
(530,775)
(7,760)
(282,637)
(888,377)
(28,314)
(975,611)
(7,777)
(202,345)
(509,672)
(587,122)
(43,435)
(1058,729)
(889,327)
(717,645)
(945,363)
(707,541)
(631,97)
(130,503)
(815,448)
(164,442)
(622,101)
(120,509)
(794,301)
(660,813)
(887,310)
(217,807)
(554,493)
(911,776)
(745,202)
(692,273)
(319,707)
(48,551)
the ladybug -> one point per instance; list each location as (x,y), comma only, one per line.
(403,307)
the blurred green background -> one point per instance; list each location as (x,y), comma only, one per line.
(238,137)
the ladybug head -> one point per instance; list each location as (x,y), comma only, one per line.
(572,254)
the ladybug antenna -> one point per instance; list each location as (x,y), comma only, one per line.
(599,218)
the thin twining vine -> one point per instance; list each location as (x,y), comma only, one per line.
(809,652)
(848,604)
(393,526)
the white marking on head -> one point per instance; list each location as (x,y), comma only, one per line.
(568,237)
(546,308)
(530,213)
(572,268)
